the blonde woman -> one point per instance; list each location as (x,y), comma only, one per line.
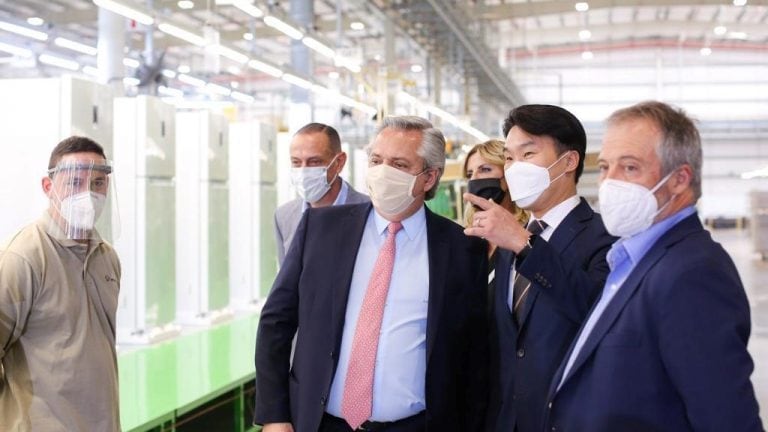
(484,170)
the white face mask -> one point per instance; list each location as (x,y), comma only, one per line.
(311,183)
(628,208)
(391,190)
(82,210)
(527,181)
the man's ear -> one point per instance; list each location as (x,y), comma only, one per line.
(47,185)
(342,160)
(431,179)
(572,161)
(681,179)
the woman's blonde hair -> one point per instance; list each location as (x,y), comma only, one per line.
(493,152)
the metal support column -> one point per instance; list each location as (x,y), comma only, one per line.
(110,50)
(390,62)
(301,110)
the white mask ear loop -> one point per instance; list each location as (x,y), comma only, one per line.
(554,163)
(327,167)
(655,188)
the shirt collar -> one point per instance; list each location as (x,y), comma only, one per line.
(556,214)
(638,245)
(412,225)
(341,198)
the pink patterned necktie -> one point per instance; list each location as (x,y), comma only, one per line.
(357,403)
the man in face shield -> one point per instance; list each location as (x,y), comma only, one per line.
(59,284)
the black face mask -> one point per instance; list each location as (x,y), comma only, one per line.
(488,188)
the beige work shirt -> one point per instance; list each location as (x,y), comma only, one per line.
(58,300)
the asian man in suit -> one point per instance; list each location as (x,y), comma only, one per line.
(550,273)
(665,347)
(316,164)
(388,304)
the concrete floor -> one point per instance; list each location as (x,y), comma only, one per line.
(754,276)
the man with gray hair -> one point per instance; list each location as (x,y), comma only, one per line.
(387,302)
(665,346)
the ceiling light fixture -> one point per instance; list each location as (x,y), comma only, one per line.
(186,79)
(283,27)
(59,62)
(131,63)
(23,31)
(319,47)
(585,35)
(75,46)
(229,53)
(184,69)
(35,21)
(347,63)
(587,55)
(247,7)
(737,35)
(321,90)
(126,11)
(298,82)
(582,6)
(172,92)
(416,68)
(266,68)
(17,51)
(90,70)
(185,4)
(739,2)
(720,30)
(248,36)
(466,127)
(357,25)
(131,81)
(333,75)
(705,51)
(242,97)
(182,34)
(218,89)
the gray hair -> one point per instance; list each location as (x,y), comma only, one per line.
(680,144)
(432,148)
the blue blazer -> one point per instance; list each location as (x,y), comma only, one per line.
(310,294)
(669,352)
(566,273)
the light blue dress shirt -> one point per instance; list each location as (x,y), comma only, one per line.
(341,198)
(399,376)
(622,259)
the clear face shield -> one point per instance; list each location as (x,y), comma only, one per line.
(83,200)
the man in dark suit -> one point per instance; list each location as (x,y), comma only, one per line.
(387,301)
(665,347)
(548,274)
(316,164)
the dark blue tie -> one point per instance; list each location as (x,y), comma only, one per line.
(522,284)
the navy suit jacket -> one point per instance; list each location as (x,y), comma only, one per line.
(566,273)
(310,294)
(669,352)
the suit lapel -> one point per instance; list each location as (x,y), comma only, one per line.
(629,287)
(353,224)
(504,260)
(575,222)
(438,250)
